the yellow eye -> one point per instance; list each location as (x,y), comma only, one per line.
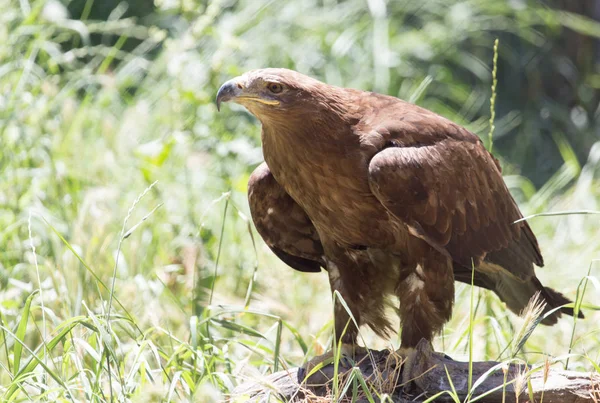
(275,88)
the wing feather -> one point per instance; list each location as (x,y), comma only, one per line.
(282,223)
(452,192)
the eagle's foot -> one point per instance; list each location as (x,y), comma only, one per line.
(418,360)
(409,360)
(319,371)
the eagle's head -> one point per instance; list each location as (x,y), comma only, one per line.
(272,94)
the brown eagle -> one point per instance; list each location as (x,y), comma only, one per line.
(389,198)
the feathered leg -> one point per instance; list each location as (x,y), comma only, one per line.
(426,295)
(345,328)
(360,282)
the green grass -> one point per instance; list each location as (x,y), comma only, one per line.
(106,295)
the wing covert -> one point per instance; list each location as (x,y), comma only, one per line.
(451,194)
(282,223)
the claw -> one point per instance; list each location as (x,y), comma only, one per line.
(416,360)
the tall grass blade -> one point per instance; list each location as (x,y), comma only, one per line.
(22,333)
(493,98)
(453,395)
(36,360)
(581,289)
(124,235)
(89,269)
(558,213)
(277,346)
(39,279)
(219,248)
(471,328)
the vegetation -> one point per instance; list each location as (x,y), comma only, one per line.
(129,269)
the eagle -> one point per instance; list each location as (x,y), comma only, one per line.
(390,199)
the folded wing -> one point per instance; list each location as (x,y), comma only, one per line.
(449,191)
(282,223)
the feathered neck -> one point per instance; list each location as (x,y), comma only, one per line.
(324,119)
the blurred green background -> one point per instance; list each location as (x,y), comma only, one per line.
(100,99)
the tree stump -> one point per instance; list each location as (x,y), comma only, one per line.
(382,373)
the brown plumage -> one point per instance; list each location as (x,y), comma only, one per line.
(389,198)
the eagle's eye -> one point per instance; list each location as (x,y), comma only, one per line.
(275,88)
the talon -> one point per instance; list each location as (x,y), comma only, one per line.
(415,360)
(408,364)
(446,356)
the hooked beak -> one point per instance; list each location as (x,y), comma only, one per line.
(228,91)
(235,90)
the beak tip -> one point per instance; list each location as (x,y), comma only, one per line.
(227,92)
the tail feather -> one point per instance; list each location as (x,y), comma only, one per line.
(553,300)
(516,293)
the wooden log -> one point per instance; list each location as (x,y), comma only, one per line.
(382,370)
